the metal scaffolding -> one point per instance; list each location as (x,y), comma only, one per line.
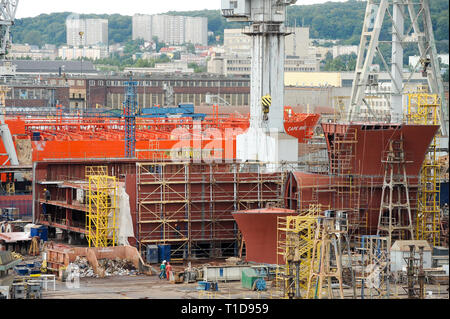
(373,268)
(423,109)
(295,237)
(101,222)
(348,188)
(130,108)
(189,205)
(395,220)
(326,263)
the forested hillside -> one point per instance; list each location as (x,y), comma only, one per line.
(330,20)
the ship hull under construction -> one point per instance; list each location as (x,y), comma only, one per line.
(356,154)
(156,138)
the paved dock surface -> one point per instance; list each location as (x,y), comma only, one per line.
(151,287)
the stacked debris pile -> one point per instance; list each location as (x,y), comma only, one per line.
(116,267)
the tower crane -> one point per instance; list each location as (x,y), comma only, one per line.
(8,10)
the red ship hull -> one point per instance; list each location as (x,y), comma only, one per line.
(259,229)
(302,189)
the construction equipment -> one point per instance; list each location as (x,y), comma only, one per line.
(415,273)
(266,102)
(420,31)
(326,258)
(8,10)
(26,288)
(34,247)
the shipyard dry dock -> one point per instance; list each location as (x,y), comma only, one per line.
(234,230)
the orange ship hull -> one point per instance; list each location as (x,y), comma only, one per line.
(160,138)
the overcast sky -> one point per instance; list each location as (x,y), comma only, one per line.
(31,8)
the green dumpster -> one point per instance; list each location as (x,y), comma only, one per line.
(249,277)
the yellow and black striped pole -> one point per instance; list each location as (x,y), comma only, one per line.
(266,102)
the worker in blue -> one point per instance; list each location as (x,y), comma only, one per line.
(47,198)
(47,194)
(163,270)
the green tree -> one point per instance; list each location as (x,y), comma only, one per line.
(346,62)
(177,55)
(331,20)
(190,48)
(33,38)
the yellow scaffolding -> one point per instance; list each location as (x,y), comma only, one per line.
(325,265)
(96,171)
(423,109)
(294,251)
(101,223)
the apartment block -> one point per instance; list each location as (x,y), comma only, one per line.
(94,32)
(174,30)
(142,27)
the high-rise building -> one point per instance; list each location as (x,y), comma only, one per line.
(159,27)
(142,27)
(237,43)
(297,43)
(94,32)
(171,29)
(197,30)
(176,30)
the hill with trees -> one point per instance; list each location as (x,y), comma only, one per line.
(331,20)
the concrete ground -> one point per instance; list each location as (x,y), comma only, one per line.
(151,287)
(145,287)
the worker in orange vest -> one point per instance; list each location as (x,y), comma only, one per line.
(168,270)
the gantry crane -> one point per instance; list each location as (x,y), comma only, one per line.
(8,10)
(420,32)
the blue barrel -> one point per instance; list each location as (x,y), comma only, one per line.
(40,231)
(152,254)
(163,253)
(36,136)
(22,271)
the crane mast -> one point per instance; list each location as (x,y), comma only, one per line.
(266,140)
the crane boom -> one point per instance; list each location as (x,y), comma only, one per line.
(8,9)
